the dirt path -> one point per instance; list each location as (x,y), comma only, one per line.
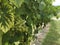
(40,36)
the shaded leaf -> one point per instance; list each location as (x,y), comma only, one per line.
(17,3)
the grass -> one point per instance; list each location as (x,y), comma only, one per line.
(53,36)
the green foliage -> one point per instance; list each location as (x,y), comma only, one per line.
(6,16)
(17,3)
(23,16)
